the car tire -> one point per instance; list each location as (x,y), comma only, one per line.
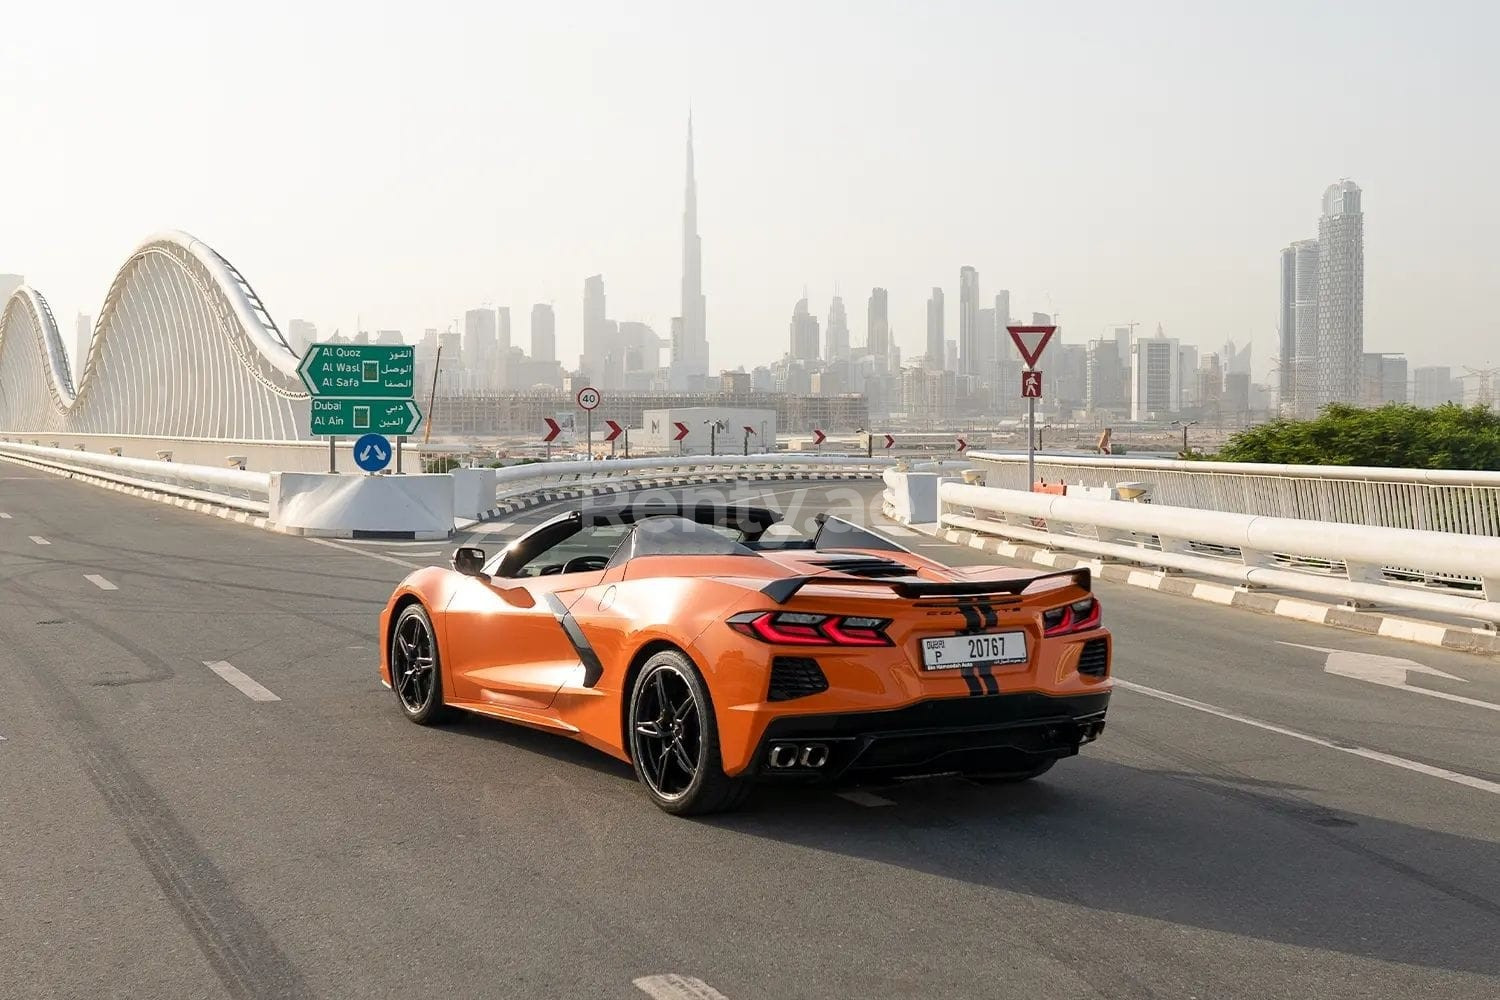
(1011,777)
(416,667)
(673,738)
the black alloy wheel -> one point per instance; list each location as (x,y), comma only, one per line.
(415,671)
(674,745)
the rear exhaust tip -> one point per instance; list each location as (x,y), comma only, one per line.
(814,755)
(784,755)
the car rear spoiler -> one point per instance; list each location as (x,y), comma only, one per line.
(785,589)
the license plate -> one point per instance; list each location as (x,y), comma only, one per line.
(953,651)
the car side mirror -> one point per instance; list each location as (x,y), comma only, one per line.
(469,560)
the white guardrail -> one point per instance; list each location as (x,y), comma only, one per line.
(229,487)
(1442,572)
(250,491)
(1420,499)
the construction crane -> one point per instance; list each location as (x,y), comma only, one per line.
(1486,376)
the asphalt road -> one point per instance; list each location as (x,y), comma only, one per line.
(1251,824)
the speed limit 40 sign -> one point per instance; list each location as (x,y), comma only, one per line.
(589,398)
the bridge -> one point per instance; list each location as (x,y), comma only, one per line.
(1298,793)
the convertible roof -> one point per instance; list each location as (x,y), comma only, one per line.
(744,516)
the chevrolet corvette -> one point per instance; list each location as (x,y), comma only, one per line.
(711,653)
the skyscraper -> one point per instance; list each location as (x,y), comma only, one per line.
(543,333)
(968,308)
(595,326)
(838,332)
(804,329)
(1341,294)
(690,337)
(1156,376)
(479,348)
(1298,316)
(1005,348)
(935,352)
(878,327)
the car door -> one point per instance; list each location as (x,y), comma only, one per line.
(510,636)
(506,640)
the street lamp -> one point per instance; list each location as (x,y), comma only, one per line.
(1184,424)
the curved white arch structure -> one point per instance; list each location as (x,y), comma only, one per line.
(182,347)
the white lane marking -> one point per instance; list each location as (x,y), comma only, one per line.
(365,552)
(1383,758)
(863,798)
(895,529)
(674,987)
(99,581)
(1388,671)
(4,516)
(248,685)
(492,528)
(39,540)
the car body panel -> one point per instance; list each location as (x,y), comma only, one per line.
(557,651)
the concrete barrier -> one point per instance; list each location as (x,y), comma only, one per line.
(913,496)
(335,506)
(473,492)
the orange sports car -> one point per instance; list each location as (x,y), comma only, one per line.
(712,654)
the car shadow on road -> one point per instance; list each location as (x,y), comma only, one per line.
(1216,854)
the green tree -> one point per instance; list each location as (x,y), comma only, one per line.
(1392,436)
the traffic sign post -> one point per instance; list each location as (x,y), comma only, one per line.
(819,438)
(1031,341)
(615,430)
(361,389)
(589,400)
(372,452)
(553,430)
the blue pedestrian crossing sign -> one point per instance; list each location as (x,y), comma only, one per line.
(372,452)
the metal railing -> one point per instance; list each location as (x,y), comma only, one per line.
(230,487)
(1346,561)
(1418,499)
(517,480)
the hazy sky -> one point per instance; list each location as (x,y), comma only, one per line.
(1108,161)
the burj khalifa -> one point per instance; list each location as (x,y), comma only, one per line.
(689,330)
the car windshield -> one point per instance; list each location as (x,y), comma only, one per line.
(661,536)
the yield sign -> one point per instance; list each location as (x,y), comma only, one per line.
(819,436)
(889,440)
(962,444)
(553,430)
(682,430)
(615,430)
(1031,341)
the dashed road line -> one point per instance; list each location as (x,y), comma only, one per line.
(4,516)
(248,685)
(99,581)
(365,552)
(861,797)
(1378,756)
(895,529)
(39,540)
(674,987)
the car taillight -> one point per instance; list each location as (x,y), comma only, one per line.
(1080,616)
(796,628)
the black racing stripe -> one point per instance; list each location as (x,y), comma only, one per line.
(971,624)
(971,680)
(991,619)
(593,668)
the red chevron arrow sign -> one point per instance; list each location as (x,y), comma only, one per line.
(819,436)
(889,441)
(553,430)
(682,430)
(615,430)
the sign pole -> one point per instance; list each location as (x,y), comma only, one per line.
(399,439)
(627,442)
(590,432)
(1030,443)
(332,454)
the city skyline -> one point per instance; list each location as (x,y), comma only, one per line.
(433,195)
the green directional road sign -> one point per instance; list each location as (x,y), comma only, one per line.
(359,371)
(352,417)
